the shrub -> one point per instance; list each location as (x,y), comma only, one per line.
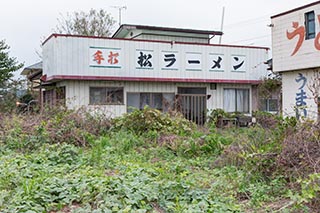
(148,119)
(27,132)
(300,154)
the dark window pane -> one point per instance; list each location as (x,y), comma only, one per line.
(115,96)
(156,101)
(144,100)
(190,90)
(273,105)
(97,96)
(133,101)
(106,95)
(310,25)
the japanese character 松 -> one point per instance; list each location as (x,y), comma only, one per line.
(143,60)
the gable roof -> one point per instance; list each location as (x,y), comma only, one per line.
(123,30)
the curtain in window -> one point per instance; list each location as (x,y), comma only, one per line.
(229,97)
(242,100)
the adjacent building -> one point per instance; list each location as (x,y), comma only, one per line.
(296,54)
(164,68)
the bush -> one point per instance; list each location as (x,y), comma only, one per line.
(27,132)
(152,120)
(300,154)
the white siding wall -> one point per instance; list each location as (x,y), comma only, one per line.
(282,47)
(71,56)
(77,93)
(290,89)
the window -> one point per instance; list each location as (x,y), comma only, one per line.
(269,105)
(61,96)
(106,96)
(236,100)
(192,90)
(310,25)
(160,101)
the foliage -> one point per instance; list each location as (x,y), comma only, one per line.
(9,95)
(214,116)
(269,86)
(300,153)
(152,120)
(27,132)
(93,23)
(8,87)
(7,64)
(151,167)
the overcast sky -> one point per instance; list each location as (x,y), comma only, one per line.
(24,24)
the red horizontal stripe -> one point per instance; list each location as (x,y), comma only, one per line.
(146,79)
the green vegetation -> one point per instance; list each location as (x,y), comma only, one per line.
(152,162)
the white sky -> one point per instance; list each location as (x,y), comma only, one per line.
(24,24)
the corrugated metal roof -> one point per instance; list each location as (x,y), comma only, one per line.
(32,68)
(126,27)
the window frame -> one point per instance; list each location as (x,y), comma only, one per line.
(235,101)
(310,24)
(151,98)
(265,103)
(107,100)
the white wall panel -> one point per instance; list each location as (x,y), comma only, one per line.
(291,91)
(282,48)
(72,58)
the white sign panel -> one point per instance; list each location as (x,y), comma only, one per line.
(105,57)
(193,61)
(216,62)
(144,59)
(170,60)
(238,63)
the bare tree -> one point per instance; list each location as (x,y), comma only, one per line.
(93,23)
(314,87)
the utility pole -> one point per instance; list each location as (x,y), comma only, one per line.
(120,8)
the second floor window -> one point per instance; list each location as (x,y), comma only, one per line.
(310,25)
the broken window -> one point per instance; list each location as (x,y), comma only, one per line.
(106,96)
(160,101)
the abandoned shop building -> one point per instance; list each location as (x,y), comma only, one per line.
(296,53)
(156,66)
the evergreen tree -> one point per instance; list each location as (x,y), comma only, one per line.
(7,64)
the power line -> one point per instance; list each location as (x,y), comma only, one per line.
(254,38)
(252,21)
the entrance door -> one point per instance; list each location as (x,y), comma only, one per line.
(192,103)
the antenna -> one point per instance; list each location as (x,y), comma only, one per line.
(221,28)
(120,8)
